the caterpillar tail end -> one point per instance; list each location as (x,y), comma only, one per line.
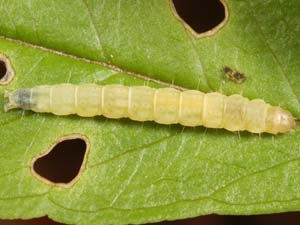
(9,105)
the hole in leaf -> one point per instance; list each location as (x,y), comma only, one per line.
(64,161)
(6,71)
(3,69)
(203,17)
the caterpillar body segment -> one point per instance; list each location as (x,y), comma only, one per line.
(163,105)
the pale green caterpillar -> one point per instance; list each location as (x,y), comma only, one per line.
(163,105)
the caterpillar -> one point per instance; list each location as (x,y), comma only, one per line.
(162,105)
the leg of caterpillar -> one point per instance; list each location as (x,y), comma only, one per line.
(164,105)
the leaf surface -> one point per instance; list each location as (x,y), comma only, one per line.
(144,172)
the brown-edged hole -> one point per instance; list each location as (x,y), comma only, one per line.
(62,164)
(3,69)
(201,15)
(6,70)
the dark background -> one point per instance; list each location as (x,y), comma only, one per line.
(201,16)
(281,218)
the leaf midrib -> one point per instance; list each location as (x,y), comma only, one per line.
(94,62)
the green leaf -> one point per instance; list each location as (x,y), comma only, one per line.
(143,172)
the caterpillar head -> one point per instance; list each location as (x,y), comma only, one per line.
(279,120)
(18,99)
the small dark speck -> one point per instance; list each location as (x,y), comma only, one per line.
(227,69)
